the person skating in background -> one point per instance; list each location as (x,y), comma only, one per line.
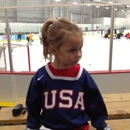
(108,31)
(29,39)
(127,35)
(62,95)
(19,36)
(105,35)
(119,35)
(115,31)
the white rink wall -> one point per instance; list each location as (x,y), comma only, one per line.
(17,85)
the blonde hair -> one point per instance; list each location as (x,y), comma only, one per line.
(55,32)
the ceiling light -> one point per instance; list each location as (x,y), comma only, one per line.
(96,0)
(115,8)
(128,11)
(107,7)
(88,5)
(110,2)
(122,10)
(58,0)
(97,6)
(75,3)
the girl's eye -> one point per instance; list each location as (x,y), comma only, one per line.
(72,50)
(80,48)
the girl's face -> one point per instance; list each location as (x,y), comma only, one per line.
(69,53)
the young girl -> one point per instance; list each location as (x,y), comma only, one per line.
(62,95)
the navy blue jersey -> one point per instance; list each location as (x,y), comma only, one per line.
(64,99)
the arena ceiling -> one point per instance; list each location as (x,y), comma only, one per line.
(79,6)
(43,3)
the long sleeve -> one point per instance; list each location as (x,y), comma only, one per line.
(95,106)
(33,104)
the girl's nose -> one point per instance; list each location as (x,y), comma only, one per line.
(79,54)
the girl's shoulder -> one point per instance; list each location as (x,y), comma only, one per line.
(41,71)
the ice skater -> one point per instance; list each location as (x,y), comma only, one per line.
(19,37)
(29,39)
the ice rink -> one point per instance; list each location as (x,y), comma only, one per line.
(95,55)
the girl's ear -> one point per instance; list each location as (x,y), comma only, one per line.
(53,50)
